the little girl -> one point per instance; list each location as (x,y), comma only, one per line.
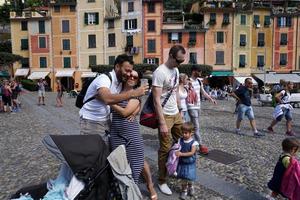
(186,169)
(290,147)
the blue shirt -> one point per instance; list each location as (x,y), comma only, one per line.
(244,94)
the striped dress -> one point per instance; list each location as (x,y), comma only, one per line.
(130,130)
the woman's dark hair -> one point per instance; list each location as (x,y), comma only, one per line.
(123,58)
(289,143)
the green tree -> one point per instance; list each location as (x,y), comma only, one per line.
(4,13)
(7,59)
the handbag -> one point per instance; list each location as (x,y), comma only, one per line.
(148,115)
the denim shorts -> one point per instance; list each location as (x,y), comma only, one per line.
(287,114)
(245,110)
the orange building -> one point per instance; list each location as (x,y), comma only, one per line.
(64,34)
(152,24)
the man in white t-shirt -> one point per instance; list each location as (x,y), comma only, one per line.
(165,85)
(95,114)
(194,110)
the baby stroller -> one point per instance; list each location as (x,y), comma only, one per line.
(90,161)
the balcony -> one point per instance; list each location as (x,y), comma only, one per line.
(242,43)
(225,21)
(63,2)
(261,43)
(192,43)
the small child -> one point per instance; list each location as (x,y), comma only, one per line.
(290,147)
(186,169)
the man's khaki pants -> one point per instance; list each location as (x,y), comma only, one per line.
(174,124)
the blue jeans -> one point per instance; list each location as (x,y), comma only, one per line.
(185,116)
(245,110)
(195,117)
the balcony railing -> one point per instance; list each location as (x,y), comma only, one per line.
(63,2)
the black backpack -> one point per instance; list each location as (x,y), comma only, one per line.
(80,97)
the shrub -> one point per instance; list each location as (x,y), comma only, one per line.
(29,84)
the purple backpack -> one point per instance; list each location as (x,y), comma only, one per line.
(172,162)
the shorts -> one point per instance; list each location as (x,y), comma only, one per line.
(245,110)
(41,93)
(287,114)
(6,100)
(59,94)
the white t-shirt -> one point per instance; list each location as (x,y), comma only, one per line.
(97,110)
(183,95)
(164,78)
(196,86)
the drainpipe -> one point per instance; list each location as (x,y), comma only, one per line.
(296,54)
(232,37)
(104,43)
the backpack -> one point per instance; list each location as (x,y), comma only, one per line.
(192,97)
(80,97)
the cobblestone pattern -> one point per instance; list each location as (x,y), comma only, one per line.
(24,160)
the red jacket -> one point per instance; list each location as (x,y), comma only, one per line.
(290,184)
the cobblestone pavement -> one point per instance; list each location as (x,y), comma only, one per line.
(24,160)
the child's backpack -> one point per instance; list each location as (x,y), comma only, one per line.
(172,162)
(80,97)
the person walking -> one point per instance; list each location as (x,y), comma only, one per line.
(60,93)
(183,94)
(124,123)
(194,109)
(6,96)
(283,109)
(165,82)
(186,169)
(243,95)
(41,91)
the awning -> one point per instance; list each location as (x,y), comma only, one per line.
(241,79)
(65,73)
(38,75)
(4,74)
(88,74)
(22,72)
(222,73)
(273,78)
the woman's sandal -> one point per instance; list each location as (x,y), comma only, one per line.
(153,194)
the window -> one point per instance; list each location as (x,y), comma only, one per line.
(256,19)
(92,60)
(174,37)
(243,20)
(65,26)
(242,40)
(192,38)
(151,25)
(66,44)
(72,8)
(130,24)
(24,44)
(42,42)
(67,62)
(283,39)
(25,62)
(193,58)
(219,57)
(111,23)
(130,6)
(220,37)
(151,46)
(111,40)
(91,18)
(212,19)
(283,59)
(91,1)
(24,26)
(284,21)
(92,41)
(242,63)
(267,21)
(151,7)
(57,9)
(41,26)
(151,60)
(260,61)
(129,41)
(261,40)
(43,62)
(225,19)
(111,60)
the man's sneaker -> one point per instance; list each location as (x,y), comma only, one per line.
(183,195)
(191,191)
(203,150)
(164,188)
(238,132)
(258,134)
(290,133)
(270,129)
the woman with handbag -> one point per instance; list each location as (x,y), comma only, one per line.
(125,124)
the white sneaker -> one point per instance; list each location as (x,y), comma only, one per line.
(164,188)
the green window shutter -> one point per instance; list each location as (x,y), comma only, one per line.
(86,18)
(180,37)
(157,61)
(97,18)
